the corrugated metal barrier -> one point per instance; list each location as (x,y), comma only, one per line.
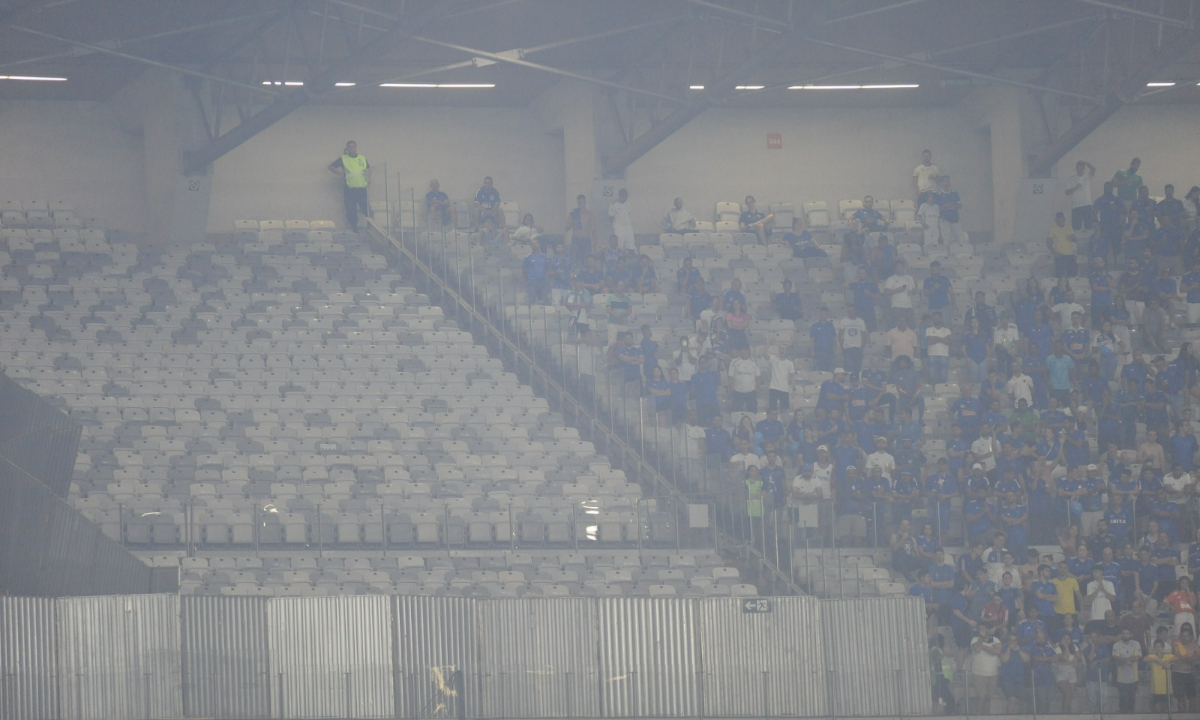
(118,657)
(28,665)
(161,656)
(225,669)
(331,657)
(882,639)
(437,665)
(539,658)
(648,659)
(764,661)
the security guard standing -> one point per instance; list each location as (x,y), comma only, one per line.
(356,171)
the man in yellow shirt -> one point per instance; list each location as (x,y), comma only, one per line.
(1068,600)
(1061,241)
(355,172)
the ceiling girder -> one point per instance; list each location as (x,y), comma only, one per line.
(196,162)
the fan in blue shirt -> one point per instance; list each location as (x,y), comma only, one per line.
(937,287)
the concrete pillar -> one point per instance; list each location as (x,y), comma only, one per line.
(998,109)
(161,107)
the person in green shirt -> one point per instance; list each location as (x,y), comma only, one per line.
(1024,422)
(754,493)
(1128,181)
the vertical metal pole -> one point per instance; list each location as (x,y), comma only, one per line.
(320,533)
(574,527)
(349,696)
(642,423)
(637,508)
(766,694)
(512,535)
(257,524)
(899,702)
(457,262)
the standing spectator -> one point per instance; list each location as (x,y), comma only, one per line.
(902,340)
(824,338)
(534,267)
(355,172)
(976,349)
(1101,594)
(783,373)
(738,321)
(1006,341)
(787,303)
(949,206)
(743,382)
(437,205)
(1170,206)
(930,217)
(852,333)
(984,313)
(1061,374)
(1061,242)
(1110,212)
(1159,659)
(1128,181)
(1077,340)
(937,341)
(1183,669)
(1014,675)
(1102,286)
(1097,654)
(1079,190)
(864,292)
(622,222)
(985,669)
(937,290)
(899,287)
(558,271)
(678,220)
(619,309)
(1126,654)
(753,220)
(487,204)
(579,302)
(1183,602)
(581,229)
(924,176)
(705,384)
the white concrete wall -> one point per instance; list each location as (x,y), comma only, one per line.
(281,173)
(1163,136)
(828,154)
(73,151)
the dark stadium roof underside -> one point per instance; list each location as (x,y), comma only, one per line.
(653,50)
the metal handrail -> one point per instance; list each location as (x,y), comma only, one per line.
(564,395)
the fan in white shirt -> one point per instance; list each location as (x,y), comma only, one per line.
(1020,386)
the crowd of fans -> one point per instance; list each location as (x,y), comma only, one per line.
(1071,424)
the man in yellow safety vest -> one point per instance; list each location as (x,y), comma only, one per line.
(357,172)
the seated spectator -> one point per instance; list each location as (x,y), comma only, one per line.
(678,220)
(801,240)
(867,219)
(526,232)
(686,275)
(787,303)
(437,205)
(753,220)
(487,204)
(491,236)
(645,280)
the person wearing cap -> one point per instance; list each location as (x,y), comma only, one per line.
(808,493)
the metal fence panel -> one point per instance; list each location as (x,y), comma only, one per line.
(539,658)
(28,667)
(882,639)
(118,657)
(648,658)
(225,668)
(762,664)
(331,657)
(437,656)
(37,437)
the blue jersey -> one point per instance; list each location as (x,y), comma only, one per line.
(938,287)
(823,334)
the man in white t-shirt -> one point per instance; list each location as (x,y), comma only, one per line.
(1020,385)
(783,372)
(1100,593)
(744,457)
(622,221)
(924,176)
(937,349)
(852,330)
(882,459)
(985,448)
(1064,310)
(808,491)
(1079,190)
(899,288)
(929,214)
(985,669)
(1004,340)
(743,382)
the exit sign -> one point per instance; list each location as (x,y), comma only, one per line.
(757,605)
(774,141)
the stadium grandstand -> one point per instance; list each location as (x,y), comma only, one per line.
(565,358)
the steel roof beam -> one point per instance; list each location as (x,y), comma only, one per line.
(1117,7)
